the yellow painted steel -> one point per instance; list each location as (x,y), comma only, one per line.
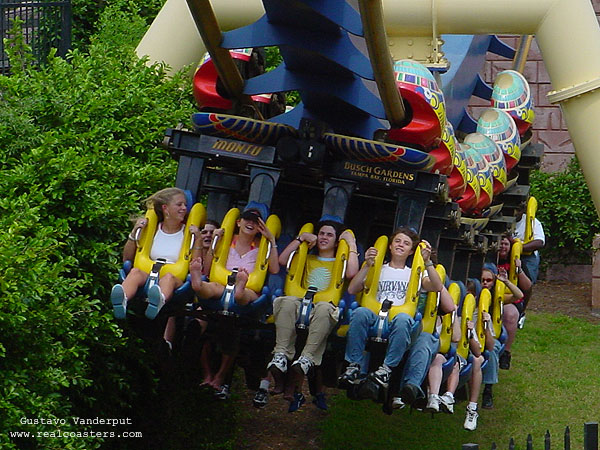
(467,314)
(294,281)
(497,307)
(560,26)
(432,303)
(448,320)
(530,213)
(218,270)
(485,302)
(368,297)
(515,253)
(142,261)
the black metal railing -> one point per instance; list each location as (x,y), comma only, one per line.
(44,25)
(590,440)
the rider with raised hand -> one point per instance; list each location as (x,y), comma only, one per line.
(324,316)
(393,284)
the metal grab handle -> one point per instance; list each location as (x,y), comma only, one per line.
(267,256)
(136,236)
(289,261)
(213,245)
(192,241)
(343,274)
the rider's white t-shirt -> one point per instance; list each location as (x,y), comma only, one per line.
(166,245)
(393,284)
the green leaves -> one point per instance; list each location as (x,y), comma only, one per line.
(567,213)
(79,150)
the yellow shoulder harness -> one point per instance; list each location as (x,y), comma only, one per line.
(297,265)
(485,300)
(448,320)
(218,270)
(532,205)
(142,261)
(467,314)
(432,303)
(368,298)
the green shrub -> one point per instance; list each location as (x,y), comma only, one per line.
(80,148)
(567,213)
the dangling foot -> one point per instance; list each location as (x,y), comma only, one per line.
(240,284)
(119,301)
(156,300)
(195,269)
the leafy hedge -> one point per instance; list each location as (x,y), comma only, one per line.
(567,213)
(80,147)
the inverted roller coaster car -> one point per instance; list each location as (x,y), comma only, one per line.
(425,102)
(210,95)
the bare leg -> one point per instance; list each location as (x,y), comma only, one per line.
(453,378)
(134,280)
(170,328)
(510,318)
(475,380)
(205,364)
(434,376)
(226,366)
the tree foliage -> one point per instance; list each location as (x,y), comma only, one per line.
(567,213)
(80,146)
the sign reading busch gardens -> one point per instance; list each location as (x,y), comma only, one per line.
(377,173)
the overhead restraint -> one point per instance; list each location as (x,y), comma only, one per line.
(256,280)
(368,297)
(295,281)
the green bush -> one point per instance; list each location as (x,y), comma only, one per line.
(567,213)
(80,148)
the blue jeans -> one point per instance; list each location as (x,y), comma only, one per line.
(490,371)
(419,359)
(398,340)
(531,266)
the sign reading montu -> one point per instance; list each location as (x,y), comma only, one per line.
(377,173)
(237,149)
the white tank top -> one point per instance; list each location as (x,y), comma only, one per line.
(167,246)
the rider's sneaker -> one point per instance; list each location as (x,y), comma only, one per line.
(278,362)
(471,419)
(411,393)
(447,403)
(505,360)
(298,401)
(304,363)
(261,398)
(397,403)
(487,400)
(119,301)
(320,401)
(156,300)
(433,403)
(223,393)
(350,376)
(381,376)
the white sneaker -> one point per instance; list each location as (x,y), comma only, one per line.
(304,363)
(156,300)
(279,361)
(397,403)
(447,403)
(433,403)
(119,301)
(471,419)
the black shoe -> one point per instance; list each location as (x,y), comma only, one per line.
(410,393)
(261,398)
(505,360)
(487,400)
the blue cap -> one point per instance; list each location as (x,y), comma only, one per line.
(491,267)
(331,218)
(257,207)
